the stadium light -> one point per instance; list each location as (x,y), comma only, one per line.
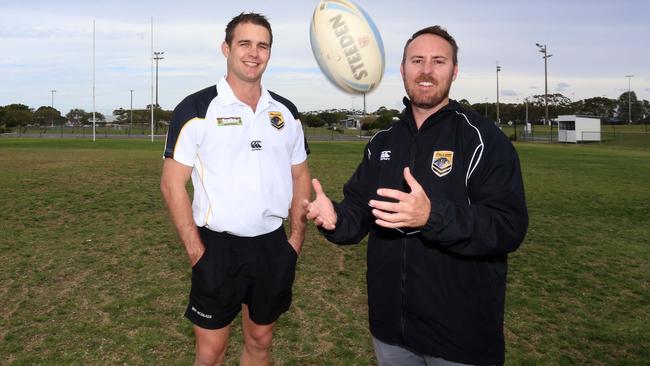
(157,56)
(542,49)
(629,100)
(498,69)
(131,125)
(53,91)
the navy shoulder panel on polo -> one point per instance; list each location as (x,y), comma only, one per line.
(294,112)
(286,102)
(193,106)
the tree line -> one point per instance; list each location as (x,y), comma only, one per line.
(20,115)
(609,110)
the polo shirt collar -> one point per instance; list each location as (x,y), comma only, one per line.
(227,96)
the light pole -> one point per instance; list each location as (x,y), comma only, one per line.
(515,121)
(526,100)
(542,49)
(498,69)
(131,125)
(629,100)
(157,56)
(52,121)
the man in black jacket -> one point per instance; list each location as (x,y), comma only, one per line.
(441,197)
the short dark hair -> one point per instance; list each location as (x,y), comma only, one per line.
(436,30)
(255,18)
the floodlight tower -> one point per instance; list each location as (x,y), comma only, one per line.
(498,69)
(629,100)
(52,91)
(542,49)
(157,56)
(131,124)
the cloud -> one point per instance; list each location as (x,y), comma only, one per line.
(51,47)
(560,87)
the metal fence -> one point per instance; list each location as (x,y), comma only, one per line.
(609,136)
(139,131)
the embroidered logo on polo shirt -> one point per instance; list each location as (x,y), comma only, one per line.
(276,119)
(385,155)
(229,121)
(442,162)
(256,145)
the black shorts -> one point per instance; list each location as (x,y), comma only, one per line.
(257,271)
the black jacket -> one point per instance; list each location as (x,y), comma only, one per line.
(439,290)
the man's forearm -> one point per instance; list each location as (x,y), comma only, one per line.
(297,213)
(180,210)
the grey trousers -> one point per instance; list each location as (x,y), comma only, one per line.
(389,355)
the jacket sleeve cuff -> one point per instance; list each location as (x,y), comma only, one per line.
(436,217)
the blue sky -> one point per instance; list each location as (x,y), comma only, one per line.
(46,45)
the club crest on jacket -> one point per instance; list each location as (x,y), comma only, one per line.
(442,162)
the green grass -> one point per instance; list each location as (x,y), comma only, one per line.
(91,271)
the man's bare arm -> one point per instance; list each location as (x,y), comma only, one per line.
(301,191)
(172,185)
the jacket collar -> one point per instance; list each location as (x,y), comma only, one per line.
(407,114)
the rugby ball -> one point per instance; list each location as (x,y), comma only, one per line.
(347,46)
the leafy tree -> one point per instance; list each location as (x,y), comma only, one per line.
(596,106)
(465,104)
(78,116)
(20,107)
(383,121)
(141,116)
(623,105)
(312,120)
(99,117)
(45,115)
(645,109)
(368,123)
(329,117)
(485,109)
(17,117)
(554,100)
(385,117)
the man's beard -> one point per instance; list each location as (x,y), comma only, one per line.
(427,101)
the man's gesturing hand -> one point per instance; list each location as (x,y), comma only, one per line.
(320,210)
(410,210)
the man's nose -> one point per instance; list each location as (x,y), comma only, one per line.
(427,67)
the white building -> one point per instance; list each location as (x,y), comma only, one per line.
(573,128)
(351,122)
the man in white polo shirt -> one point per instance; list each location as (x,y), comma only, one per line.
(244,148)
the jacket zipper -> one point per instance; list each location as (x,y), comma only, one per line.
(413,151)
(403,318)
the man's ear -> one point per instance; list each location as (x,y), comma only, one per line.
(225,49)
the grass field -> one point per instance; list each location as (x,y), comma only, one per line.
(91,271)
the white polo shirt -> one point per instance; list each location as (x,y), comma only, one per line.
(241,159)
